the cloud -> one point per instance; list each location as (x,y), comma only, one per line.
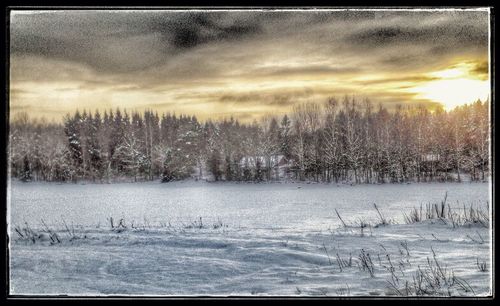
(234,59)
(134,41)
(466,28)
(481,70)
(402,79)
(278,97)
(304,71)
(121,41)
(125,41)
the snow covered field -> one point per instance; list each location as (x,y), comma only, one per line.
(197,238)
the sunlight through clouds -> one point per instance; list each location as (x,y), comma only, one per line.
(454,86)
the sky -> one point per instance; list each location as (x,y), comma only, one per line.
(245,64)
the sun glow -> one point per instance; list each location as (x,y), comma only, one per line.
(449,73)
(457,85)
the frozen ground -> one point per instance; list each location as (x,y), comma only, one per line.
(252,239)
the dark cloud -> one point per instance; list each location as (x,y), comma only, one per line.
(421,38)
(122,41)
(374,37)
(410,79)
(284,97)
(451,34)
(306,70)
(481,69)
(187,30)
(245,116)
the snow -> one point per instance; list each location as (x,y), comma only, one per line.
(255,239)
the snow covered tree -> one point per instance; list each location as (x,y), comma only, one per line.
(346,141)
(285,137)
(72,130)
(331,137)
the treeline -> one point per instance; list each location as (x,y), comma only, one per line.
(347,140)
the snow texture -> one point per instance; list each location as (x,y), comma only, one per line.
(198,238)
